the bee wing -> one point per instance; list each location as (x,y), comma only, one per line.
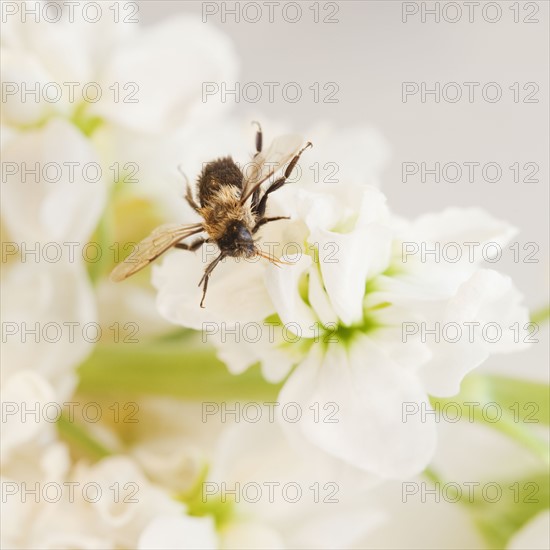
(159,241)
(266,163)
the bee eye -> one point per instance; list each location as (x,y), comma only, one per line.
(244,234)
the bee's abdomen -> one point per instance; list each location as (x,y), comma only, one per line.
(215,175)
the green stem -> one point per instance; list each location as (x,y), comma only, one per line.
(103,237)
(499,519)
(176,369)
(522,435)
(76,435)
(523,404)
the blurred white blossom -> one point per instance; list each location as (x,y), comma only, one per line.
(259,492)
(48,199)
(110,504)
(300,504)
(150,99)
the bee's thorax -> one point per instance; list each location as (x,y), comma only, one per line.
(227,221)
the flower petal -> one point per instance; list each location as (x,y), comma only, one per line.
(163,61)
(489,301)
(179,296)
(58,204)
(21,71)
(24,391)
(179,533)
(462,225)
(371,393)
(56,303)
(284,289)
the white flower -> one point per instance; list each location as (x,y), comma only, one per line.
(109,504)
(346,317)
(171,442)
(46,309)
(31,466)
(284,499)
(53,205)
(157,70)
(150,86)
(194,459)
(490,472)
(24,397)
(128,500)
(150,79)
(47,304)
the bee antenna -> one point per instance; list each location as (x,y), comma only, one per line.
(271,259)
(180,170)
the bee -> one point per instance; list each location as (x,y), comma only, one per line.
(232,206)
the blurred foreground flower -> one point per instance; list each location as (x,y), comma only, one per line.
(90,105)
(49,199)
(109,504)
(260,493)
(110,75)
(63,159)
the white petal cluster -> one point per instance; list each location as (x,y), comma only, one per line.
(333,321)
(109,504)
(46,203)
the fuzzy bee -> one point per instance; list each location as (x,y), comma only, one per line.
(232,207)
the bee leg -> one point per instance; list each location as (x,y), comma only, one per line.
(254,202)
(206,276)
(263,221)
(189,193)
(259,208)
(193,246)
(191,200)
(259,137)
(259,141)
(294,161)
(205,286)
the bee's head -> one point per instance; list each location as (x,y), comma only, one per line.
(237,241)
